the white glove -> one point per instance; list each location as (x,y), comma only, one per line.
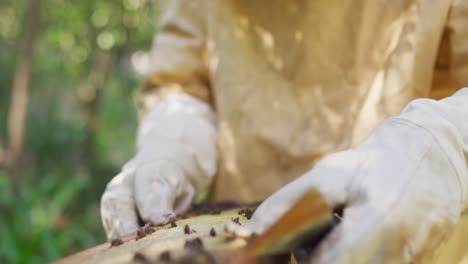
(404,187)
(176,157)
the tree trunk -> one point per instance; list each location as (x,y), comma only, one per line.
(2,152)
(21,82)
(90,93)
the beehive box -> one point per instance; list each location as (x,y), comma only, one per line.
(172,242)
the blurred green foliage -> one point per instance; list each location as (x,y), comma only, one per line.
(55,209)
(34,230)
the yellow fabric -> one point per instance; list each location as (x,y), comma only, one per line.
(293,80)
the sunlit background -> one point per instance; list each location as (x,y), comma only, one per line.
(69,69)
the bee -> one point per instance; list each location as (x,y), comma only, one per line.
(236,220)
(140,258)
(165,256)
(247,212)
(194,244)
(144,231)
(116,242)
(195,253)
(187,230)
(215,212)
(212,232)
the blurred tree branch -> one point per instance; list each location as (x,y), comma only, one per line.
(20,87)
(2,152)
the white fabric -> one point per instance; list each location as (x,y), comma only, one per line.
(176,157)
(404,187)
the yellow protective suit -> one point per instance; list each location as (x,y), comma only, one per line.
(293,80)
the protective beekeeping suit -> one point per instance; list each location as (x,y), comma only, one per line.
(257,92)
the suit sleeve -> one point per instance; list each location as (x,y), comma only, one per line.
(447,121)
(178,62)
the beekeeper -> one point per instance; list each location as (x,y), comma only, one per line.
(246,96)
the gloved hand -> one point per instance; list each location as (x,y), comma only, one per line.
(176,157)
(404,187)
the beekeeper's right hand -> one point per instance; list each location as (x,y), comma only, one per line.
(176,157)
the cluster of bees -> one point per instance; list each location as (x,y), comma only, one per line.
(194,250)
